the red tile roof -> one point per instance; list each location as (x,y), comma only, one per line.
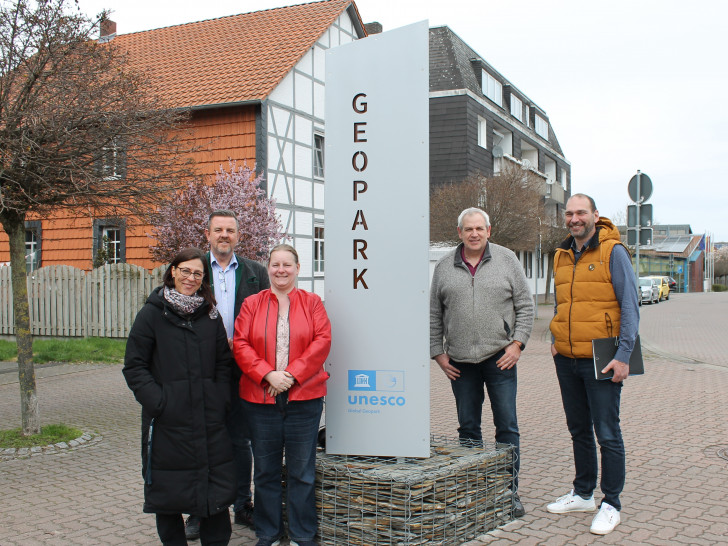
(231,59)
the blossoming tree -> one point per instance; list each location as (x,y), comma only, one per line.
(180,220)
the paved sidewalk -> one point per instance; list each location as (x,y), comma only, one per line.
(675,422)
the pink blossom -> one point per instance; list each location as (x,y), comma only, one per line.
(180,221)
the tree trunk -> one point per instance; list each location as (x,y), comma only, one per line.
(14,225)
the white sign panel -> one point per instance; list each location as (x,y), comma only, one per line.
(377,241)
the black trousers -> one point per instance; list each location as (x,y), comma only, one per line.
(214,531)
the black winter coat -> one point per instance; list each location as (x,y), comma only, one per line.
(179,370)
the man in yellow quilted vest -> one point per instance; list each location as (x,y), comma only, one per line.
(595,297)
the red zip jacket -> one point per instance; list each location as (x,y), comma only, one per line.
(254,345)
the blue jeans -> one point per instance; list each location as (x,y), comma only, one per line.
(502,386)
(243,454)
(296,430)
(592,406)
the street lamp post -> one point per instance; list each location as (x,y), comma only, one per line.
(538,264)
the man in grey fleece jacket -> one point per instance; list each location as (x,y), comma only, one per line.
(481,315)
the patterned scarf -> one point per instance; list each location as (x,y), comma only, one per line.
(186,305)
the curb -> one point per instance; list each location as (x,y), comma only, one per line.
(87,438)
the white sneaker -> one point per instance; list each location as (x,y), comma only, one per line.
(571,503)
(606,520)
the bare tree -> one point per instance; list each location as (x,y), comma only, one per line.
(619,217)
(553,233)
(447,202)
(78,128)
(513,200)
(720,265)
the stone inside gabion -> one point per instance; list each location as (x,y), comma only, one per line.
(452,497)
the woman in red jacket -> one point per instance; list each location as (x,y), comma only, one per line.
(282,338)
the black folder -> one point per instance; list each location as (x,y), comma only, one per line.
(604,350)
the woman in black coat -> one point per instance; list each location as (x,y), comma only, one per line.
(178,364)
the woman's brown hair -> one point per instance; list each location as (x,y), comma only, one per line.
(185,256)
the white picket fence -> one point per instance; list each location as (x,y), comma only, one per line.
(69,302)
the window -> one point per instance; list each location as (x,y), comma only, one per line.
(111,240)
(497,164)
(528,263)
(318,249)
(318,156)
(563,178)
(529,155)
(550,170)
(492,89)
(482,133)
(502,144)
(542,127)
(112,165)
(109,244)
(517,108)
(32,245)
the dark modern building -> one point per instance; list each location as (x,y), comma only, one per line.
(480,122)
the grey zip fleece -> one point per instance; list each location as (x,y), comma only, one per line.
(474,317)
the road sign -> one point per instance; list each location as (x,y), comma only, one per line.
(645,236)
(645,215)
(645,190)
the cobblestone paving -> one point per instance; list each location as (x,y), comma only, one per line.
(675,423)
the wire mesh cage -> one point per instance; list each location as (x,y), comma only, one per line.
(454,496)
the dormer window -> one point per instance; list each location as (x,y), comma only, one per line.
(517,108)
(542,127)
(492,88)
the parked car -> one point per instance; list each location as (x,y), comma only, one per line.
(664,285)
(649,291)
(672,283)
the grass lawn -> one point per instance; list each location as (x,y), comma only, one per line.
(49,434)
(91,349)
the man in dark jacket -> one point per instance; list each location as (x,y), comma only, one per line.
(232,278)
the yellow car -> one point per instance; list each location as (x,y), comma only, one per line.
(663,283)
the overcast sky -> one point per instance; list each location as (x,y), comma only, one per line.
(627,84)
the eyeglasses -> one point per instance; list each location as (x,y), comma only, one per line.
(184,273)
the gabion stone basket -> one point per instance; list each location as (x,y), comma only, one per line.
(454,496)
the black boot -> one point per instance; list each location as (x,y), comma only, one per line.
(192,528)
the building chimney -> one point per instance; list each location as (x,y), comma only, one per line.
(373,28)
(108,30)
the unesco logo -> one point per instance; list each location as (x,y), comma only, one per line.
(368,381)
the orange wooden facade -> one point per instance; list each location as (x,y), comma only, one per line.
(67,236)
